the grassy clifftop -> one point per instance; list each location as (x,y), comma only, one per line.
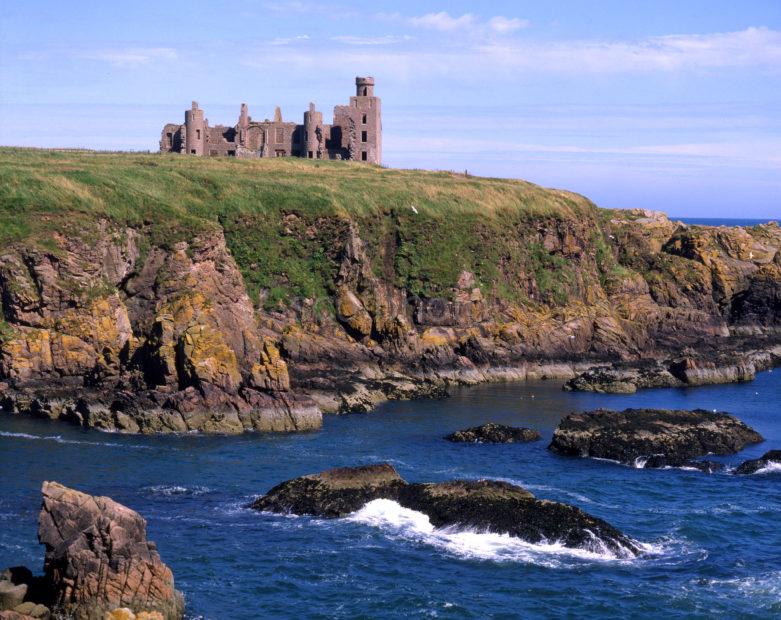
(281,217)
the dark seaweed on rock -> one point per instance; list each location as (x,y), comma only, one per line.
(482,505)
(754,465)
(665,437)
(494,433)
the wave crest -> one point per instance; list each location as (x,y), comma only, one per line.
(399,522)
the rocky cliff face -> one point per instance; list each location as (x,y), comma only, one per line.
(112,331)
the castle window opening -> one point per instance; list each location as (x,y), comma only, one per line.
(364,156)
(170,135)
(192,151)
(231,153)
(310,154)
(365,91)
(197,134)
(364,136)
(363,119)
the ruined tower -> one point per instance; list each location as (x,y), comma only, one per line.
(195,130)
(314,135)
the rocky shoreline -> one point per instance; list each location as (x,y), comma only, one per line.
(115,329)
(302,408)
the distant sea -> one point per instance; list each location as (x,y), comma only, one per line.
(723,221)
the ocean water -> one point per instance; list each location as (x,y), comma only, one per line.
(714,541)
(724,221)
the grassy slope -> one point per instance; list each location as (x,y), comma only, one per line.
(462,222)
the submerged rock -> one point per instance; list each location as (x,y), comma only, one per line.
(333,493)
(754,465)
(484,505)
(494,433)
(97,560)
(665,437)
(659,461)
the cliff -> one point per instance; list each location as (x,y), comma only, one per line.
(154,293)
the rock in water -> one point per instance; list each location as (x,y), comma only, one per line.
(98,558)
(486,505)
(754,465)
(494,433)
(660,437)
(503,508)
(333,493)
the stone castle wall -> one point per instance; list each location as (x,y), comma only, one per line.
(356,132)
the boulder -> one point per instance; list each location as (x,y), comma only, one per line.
(333,493)
(754,465)
(484,505)
(626,436)
(98,558)
(503,508)
(494,433)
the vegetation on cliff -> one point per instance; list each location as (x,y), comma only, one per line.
(280,217)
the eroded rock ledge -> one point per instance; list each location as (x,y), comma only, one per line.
(482,505)
(97,560)
(652,437)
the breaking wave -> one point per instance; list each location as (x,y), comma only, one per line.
(773,467)
(62,440)
(402,523)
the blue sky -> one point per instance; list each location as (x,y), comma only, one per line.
(663,105)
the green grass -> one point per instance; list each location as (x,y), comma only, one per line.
(282,217)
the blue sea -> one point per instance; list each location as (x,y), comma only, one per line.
(723,221)
(714,541)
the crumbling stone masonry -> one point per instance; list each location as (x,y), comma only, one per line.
(356,132)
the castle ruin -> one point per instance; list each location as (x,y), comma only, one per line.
(356,132)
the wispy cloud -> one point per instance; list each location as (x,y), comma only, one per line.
(444,22)
(289,40)
(380,40)
(749,48)
(130,56)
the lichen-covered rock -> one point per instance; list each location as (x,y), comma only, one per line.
(626,436)
(270,372)
(494,433)
(770,459)
(332,493)
(98,558)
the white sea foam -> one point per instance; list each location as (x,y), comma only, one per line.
(171,490)
(399,522)
(772,467)
(640,462)
(60,439)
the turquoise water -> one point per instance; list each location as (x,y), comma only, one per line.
(715,540)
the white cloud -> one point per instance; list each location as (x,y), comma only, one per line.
(443,21)
(381,40)
(131,56)
(504,25)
